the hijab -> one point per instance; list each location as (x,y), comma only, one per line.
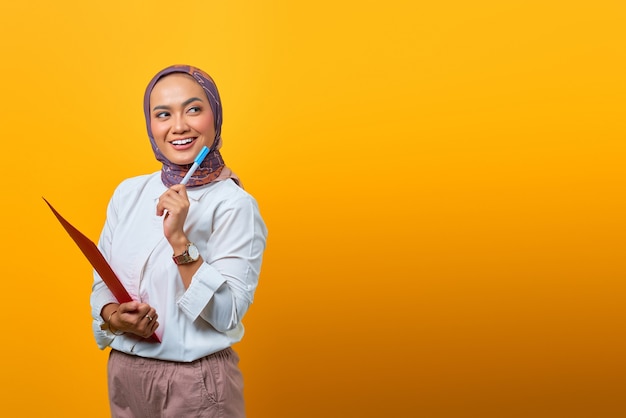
(212,167)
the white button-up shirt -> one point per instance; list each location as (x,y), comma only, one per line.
(225,224)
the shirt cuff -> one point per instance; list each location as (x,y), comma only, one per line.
(104,338)
(98,301)
(204,284)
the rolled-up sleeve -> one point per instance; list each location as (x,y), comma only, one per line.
(100,293)
(222,289)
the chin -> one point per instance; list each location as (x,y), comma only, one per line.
(178,159)
(183,161)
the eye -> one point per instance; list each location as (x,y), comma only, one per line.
(194,109)
(161,115)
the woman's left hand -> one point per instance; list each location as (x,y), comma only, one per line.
(176,203)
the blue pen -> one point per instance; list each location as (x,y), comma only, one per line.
(196,163)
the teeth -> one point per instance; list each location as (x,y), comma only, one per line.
(182,141)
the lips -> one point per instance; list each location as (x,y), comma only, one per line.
(183,141)
(183,144)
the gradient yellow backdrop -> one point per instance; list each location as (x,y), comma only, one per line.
(443,184)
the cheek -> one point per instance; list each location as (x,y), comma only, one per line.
(158,130)
(205,125)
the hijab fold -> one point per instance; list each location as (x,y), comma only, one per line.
(212,167)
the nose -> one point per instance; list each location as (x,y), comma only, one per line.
(179,124)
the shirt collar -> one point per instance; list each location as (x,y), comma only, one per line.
(157,188)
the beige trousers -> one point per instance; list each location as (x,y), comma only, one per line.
(210,387)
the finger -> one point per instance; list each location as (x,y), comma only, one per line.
(128,307)
(143,308)
(176,194)
(180,190)
(149,328)
(172,203)
(164,204)
(150,314)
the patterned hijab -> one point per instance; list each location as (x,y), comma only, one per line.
(212,167)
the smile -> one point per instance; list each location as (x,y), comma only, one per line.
(182,141)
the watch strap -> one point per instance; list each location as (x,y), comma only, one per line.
(184,258)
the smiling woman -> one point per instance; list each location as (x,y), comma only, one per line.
(181,121)
(190,256)
(182,104)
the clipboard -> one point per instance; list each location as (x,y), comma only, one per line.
(97,260)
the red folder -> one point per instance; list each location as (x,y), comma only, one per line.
(98,262)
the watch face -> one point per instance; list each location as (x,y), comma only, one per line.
(193,252)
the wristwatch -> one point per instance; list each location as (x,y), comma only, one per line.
(190,255)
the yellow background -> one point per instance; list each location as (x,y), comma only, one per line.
(443,183)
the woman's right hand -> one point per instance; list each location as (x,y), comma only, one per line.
(136,318)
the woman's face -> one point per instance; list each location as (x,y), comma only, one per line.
(181,118)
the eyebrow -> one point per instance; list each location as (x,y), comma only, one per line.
(185,103)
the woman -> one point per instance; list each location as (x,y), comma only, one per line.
(189,256)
